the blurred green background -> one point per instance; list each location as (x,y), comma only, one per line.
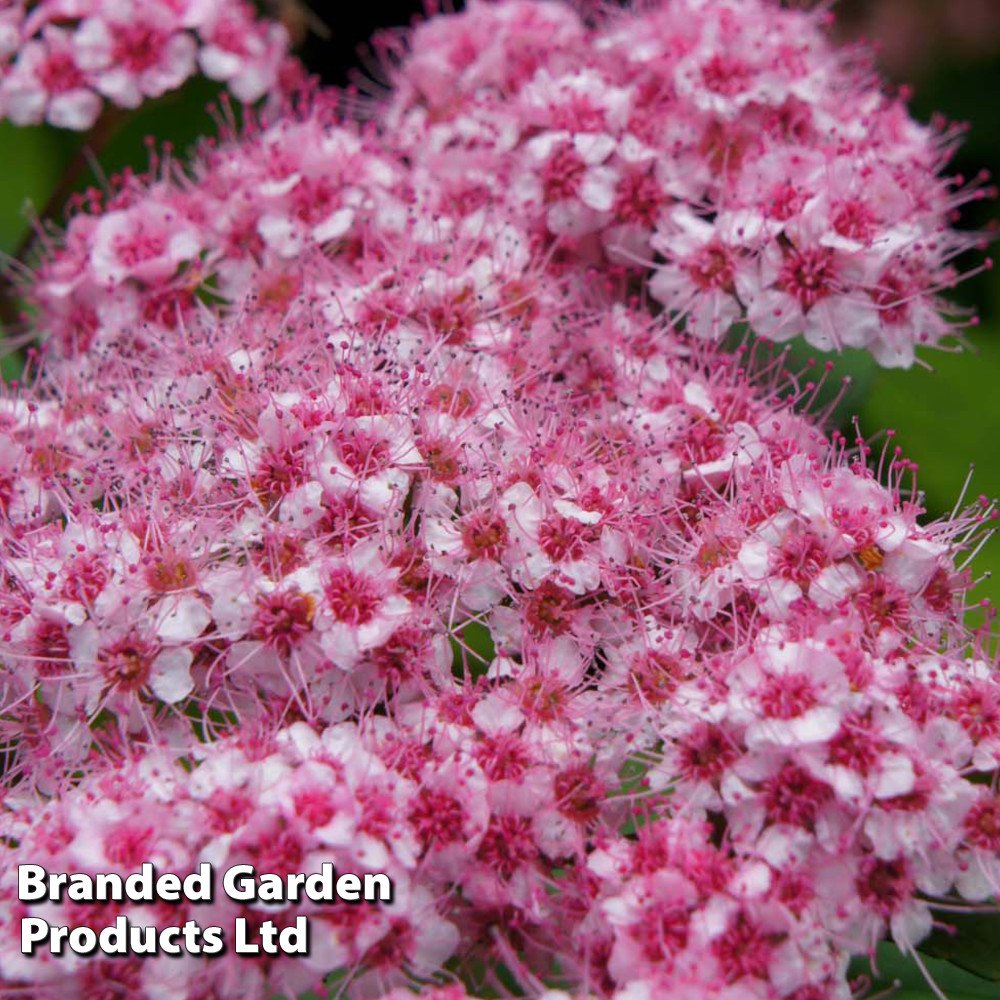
(946,416)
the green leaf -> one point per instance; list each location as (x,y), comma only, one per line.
(895,967)
(974,944)
(472,651)
(11,366)
(32,164)
(946,419)
(845,387)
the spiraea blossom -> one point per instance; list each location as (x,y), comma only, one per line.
(381,491)
(726,149)
(61,59)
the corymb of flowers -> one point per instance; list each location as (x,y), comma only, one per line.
(401,490)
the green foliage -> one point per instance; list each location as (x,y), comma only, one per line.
(946,419)
(972,942)
(32,166)
(895,967)
(472,651)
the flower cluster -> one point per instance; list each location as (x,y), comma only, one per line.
(361,505)
(61,59)
(284,804)
(725,154)
(758,173)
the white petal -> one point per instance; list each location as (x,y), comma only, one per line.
(895,778)
(184,621)
(170,678)
(335,226)
(598,188)
(594,147)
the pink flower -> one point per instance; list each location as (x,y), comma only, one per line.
(243,53)
(360,608)
(384,495)
(788,693)
(146,242)
(10,30)
(809,290)
(569,175)
(699,280)
(135,54)
(48,82)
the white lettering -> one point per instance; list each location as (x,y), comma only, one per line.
(385,888)
(239,884)
(31,885)
(349,888)
(33,930)
(243,947)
